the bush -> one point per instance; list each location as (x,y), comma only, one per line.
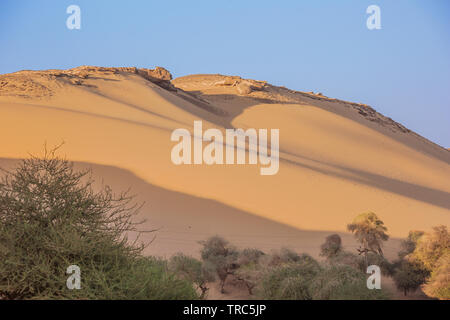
(331,247)
(249,270)
(410,275)
(409,244)
(249,256)
(345,258)
(438,286)
(220,256)
(50,219)
(341,282)
(289,281)
(387,268)
(191,269)
(282,256)
(432,246)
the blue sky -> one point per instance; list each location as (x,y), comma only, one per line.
(402,70)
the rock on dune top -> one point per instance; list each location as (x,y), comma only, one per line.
(204,90)
(36,84)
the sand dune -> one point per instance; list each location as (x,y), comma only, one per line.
(337,158)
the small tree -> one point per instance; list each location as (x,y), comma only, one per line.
(331,247)
(370,232)
(193,270)
(409,276)
(250,269)
(218,254)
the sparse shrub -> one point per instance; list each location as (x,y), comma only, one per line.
(219,255)
(192,269)
(331,247)
(51,219)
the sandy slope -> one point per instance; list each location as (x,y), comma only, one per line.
(338,159)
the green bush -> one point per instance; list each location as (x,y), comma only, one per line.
(331,247)
(192,269)
(433,251)
(218,255)
(345,258)
(387,268)
(281,256)
(342,282)
(50,218)
(409,244)
(289,281)
(410,275)
(438,285)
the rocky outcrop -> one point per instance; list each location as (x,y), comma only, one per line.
(40,84)
(243,86)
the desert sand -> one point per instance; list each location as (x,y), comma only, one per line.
(337,158)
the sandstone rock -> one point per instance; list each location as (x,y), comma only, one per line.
(244,88)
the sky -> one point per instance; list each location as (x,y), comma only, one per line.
(402,69)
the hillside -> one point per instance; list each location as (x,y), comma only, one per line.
(337,158)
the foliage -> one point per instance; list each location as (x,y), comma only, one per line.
(370,231)
(192,269)
(432,246)
(438,285)
(51,218)
(433,251)
(409,276)
(281,256)
(219,255)
(409,244)
(342,282)
(289,281)
(331,247)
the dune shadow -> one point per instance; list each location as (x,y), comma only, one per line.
(410,190)
(183,220)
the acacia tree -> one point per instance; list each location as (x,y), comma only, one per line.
(51,217)
(331,247)
(370,232)
(193,270)
(219,255)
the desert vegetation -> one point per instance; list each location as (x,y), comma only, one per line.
(51,218)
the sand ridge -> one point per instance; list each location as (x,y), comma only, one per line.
(337,158)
